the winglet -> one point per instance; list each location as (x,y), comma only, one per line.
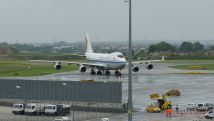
(88,44)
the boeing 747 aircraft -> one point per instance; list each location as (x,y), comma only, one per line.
(100,63)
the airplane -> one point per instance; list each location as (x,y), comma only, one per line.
(100,63)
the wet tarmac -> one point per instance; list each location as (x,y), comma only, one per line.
(195,88)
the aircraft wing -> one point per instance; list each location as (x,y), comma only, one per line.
(68,62)
(148,61)
(85,64)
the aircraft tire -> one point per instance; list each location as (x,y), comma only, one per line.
(117,73)
(99,73)
(93,73)
(108,72)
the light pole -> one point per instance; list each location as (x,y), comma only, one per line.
(65,89)
(130,105)
(18,87)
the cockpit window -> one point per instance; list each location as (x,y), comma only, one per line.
(120,56)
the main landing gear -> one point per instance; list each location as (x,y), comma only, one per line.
(117,73)
(99,72)
(107,72)
(93,71)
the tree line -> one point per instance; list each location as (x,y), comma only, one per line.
(183,47)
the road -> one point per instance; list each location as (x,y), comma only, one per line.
(6,115)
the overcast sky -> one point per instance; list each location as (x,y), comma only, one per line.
(41,20)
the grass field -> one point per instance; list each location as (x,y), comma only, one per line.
(195,67)
(189,61)
(193,64)
(16,68)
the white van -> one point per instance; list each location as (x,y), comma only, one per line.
(191,106)
(202,107)
(57,110)
(105,119)
(18,108)
(63,119)
(34,109)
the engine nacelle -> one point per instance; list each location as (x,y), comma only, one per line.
(82,68)
(58,66)
(135,69)
(149,66)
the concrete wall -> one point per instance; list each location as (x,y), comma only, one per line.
(106,92)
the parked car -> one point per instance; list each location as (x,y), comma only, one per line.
(18,108)
(209,115)
(105,119)
(57,110)
(191,106)
(34,109)
(202,107)
(63,119)
(210,106)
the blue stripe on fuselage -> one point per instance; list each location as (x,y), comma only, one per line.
(111,65)
(105,61)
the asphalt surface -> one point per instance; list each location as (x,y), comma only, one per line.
(195,88)
(6,115)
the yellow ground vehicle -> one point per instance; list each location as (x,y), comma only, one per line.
(151,109)
(158,106)
(166,104)
(154,96)
(173,93)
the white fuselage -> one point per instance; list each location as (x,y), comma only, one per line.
(113,61)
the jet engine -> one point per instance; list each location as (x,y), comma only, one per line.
(135,69)
(58,66)
(82,68)
(149,66)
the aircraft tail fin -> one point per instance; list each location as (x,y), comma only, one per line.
(88,44)
(163,58)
